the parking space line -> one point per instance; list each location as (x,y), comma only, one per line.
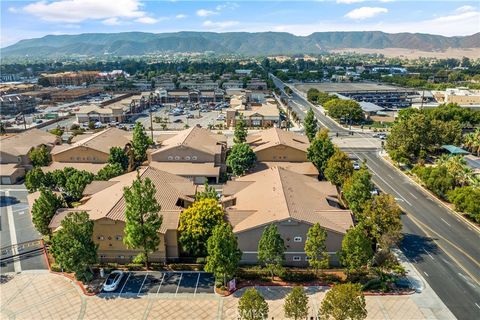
(143,282)
(196,286)
(178,286)
(123,287)
(161,282)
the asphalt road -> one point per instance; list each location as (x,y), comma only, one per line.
(17,233)
(443,248)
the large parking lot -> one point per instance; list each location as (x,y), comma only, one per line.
(142,283)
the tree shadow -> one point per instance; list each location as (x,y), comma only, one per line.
(6,201)
(416,247)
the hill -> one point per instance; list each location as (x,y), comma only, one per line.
(262,43)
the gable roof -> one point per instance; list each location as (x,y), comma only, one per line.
(108,201)
(20,144)
(274,136)
(196,138)
(290,196)
(101,141)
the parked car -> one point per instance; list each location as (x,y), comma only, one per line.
(190,116)
(375,192)
(356,166)
(113,280)
(221,117)
(178,121)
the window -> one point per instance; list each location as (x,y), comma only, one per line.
(274,157)
(121,257)
(88,158)
(100,238)
(94,158)
(78,158)
(109,238)
(194,157)
(307,258)
(102,256)
(118,238)
(177,158)
(297,239)
(19,159)
(297,258)
(170,158)
(71,158)
(187,158)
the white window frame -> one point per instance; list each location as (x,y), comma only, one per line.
(170,158)
(194,157)
(296,258)
(297,239)
(187,158)
(177,157)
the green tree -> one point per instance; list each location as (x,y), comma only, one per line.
(252,306)
(346,110)
(197,223)
(143,221)
(118,156)
(240,133)
(339,168)
(356,249)
(140,143)
(315,248)
(43,210)
(296,304)
(223,254)
(34,179)
(312,95)
(39,156)
(344,302)
(310,124)
(466,200)
(76,181)
(208,192)
(72,245)
(57,131)
(381,220)
(320,150)
(271,250)
(357,189)
(241,159)
(109,171)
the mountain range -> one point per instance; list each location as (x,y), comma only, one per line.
(244,43)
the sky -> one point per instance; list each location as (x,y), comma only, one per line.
(33,19)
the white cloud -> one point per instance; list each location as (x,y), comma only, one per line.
(220,24)
(74,11)
(461,14)
(111,21)
(349,1)
(365,13)
(181,16)
(12,10)
(228,5)
(205,13)
(147,20)
(463,9)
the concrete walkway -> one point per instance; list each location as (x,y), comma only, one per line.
(49,296)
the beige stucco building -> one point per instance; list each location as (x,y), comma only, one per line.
(105,204)
(90,153)
(286,149)
(195,153)
(14,152)
(292,201)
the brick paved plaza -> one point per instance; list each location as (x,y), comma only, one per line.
(49,296)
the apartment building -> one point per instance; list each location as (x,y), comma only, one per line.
(74,94)
(295,203)
(71,78)
(91,152)
(194,153)
(279,148)
(14,152)
(105,204)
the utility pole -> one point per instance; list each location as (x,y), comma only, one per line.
(151,119)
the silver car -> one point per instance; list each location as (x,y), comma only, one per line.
(113,280)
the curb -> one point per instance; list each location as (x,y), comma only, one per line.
(433,196)
(78,283)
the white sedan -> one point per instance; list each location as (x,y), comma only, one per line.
(113,280)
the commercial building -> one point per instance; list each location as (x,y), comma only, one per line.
(264,116)
(195,153)
(460,96)
(13,104)
(74,94)
(191,96)
(295,203)
(105,204)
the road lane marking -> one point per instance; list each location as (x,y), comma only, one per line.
(428,254)
(138,293)
(477,305)
(413,195)
(178,286)
(196,286)
(466,280)
(425,273)
(161,282)
(123,287)
(17,266)
(445,222)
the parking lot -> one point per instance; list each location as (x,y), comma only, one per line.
(152,283)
